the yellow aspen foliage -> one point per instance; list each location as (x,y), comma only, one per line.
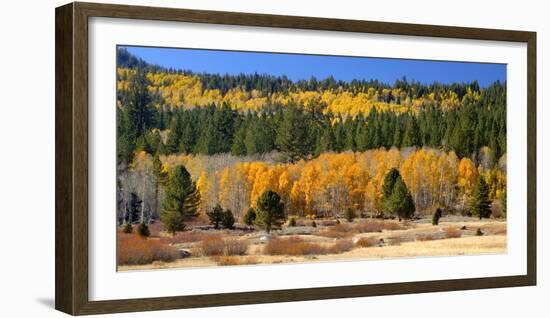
(186,91)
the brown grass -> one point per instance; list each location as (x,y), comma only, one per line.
(235,247)
(296,246)
(340,246)
(395,226)
(452,232)
(366,242)
(327,222)
(422,237)
(135,250)
(394,240)
(186,237)
(293,245)
(338,231)
(369,226)
(215,245)
(155,229)
(235,260)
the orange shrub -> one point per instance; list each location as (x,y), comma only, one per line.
(235,260)
(211,246)
(215,245)
(366,242)
(370,226)
(338,231)
(452,232)
(156,228)
(293,245)
(296,246)
(135,250)
(235,247)
(393,226)
(427,237)
(340,246)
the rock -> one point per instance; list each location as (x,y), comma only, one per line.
(184,253)
(264,238)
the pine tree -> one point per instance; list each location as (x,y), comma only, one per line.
(181,200)
(133,208)
(349,215)
(389,181)
(412,134)
(143,230)
(326,141)
(174,136)
(361,137)
(137,105)
(216,216)
(270,211)
(251,139)
(249,217)
(187,140)
(400,202)
(159,176)
(228,220)
(239,148)
(436,216)
(480,205)
(292,138)
(397,136)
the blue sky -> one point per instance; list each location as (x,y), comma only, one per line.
(302,66)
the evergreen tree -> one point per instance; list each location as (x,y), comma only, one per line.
(326,141)
(208,140)
(228,220)
(174,136)
(437,215)
(251,140)
(143,230)
(397,136)
(412,134)
(480,205)
(187,140)
(216,216)
(400,202)
(361,136)
(181,200)
(389,182)
(292,138)
(270,211)
(159,180)
(239,148)
(133,208)
(349,215)
(249,217)
(137,108)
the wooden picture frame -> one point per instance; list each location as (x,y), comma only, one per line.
(71,89)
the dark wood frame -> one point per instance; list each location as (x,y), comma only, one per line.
(71,157)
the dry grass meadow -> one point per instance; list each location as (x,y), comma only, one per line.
(329,240)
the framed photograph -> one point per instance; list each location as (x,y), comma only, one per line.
(211,158)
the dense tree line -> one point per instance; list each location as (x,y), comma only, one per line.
(145,123)
(299,134)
